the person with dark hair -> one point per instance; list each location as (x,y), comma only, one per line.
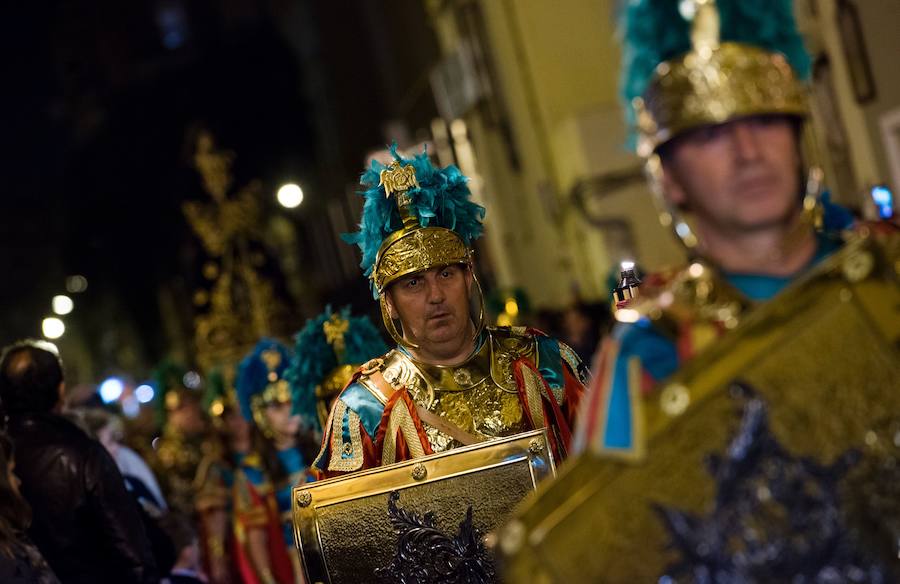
(282,447)
(186,569)
(20,560)
(222,545)
(84,521)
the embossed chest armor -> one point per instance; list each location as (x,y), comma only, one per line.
(478,396)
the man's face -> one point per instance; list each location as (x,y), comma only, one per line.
(235,425)
(433,307)
(188,418)
(282,422)
(738,176)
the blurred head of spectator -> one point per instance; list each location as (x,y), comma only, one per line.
(31,378)
(84,521)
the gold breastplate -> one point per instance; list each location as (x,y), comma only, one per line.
(478,396)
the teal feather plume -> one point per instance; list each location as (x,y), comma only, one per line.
(314,358)
(216,388)
(253,373)
(168,376)
(443,199)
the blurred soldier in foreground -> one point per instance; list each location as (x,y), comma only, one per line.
(724,461)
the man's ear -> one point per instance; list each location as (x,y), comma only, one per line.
(469,272)
(390,305)
(671,186)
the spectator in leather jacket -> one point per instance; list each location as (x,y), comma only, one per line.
(84,521)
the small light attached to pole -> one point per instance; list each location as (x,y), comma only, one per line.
(627,288)
(52,327)
(290,195)
(62,304)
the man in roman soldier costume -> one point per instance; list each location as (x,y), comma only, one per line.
(224,545)
(282,445)
(451,381)
(765,455)
(327,352)
(720,128)
(185,439)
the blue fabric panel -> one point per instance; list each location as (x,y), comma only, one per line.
(367,407)
(549,362)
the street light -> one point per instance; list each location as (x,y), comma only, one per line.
(76,284)
(53,327)
(290,195)
(62,304)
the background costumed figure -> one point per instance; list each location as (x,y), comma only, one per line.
(185,440)
(225,547)
(327,352)
(282,447)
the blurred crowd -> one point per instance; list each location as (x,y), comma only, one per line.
(89,495)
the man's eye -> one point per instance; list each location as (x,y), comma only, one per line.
(709,133)
(412,283)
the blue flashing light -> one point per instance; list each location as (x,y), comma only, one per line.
(884,201)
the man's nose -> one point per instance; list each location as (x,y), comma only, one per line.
(745,140)
(435,291)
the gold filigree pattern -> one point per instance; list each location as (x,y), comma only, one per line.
(534,386)
(574,362)
(508,346)
(335,328)
(396,178)
(419,249)
(401,420)
(698,295)
(337,461)
(730,81)
(241,306)
(469,395)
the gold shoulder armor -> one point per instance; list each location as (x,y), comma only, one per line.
(509,344)
(399,371)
